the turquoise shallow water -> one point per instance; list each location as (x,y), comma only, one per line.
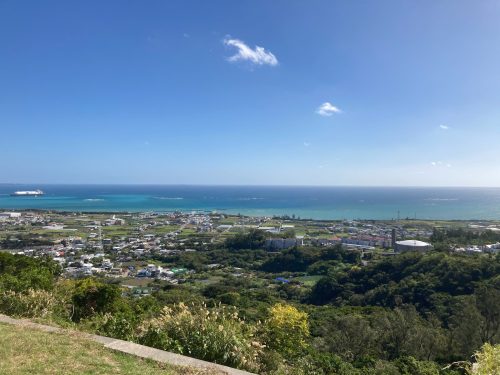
(306,202)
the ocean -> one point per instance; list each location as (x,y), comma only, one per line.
(301,201)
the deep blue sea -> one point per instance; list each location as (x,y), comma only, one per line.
(304,202)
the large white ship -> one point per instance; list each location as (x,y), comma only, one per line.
(27,193)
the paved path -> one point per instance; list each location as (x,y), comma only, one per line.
(134,349)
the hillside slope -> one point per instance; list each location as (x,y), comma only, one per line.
(27,351)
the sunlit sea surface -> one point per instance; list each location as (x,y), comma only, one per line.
(304,202)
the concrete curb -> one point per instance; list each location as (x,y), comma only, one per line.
(132,348)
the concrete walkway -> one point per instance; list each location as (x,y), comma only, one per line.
(134,349)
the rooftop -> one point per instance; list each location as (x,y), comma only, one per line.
(414,243)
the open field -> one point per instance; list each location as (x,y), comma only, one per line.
(308,280)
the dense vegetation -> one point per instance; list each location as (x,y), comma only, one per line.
(310,259)
(418,279)
(461,236)
(23,273)
(407,314)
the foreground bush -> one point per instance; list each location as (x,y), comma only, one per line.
(90,297)
(287,330)
(216,335)
(120,325)
(487,361)
(28,304)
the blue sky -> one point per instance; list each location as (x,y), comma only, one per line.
(250,92)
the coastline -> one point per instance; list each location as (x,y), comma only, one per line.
(318,203)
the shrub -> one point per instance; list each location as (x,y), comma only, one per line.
(487,360)
(217,335)
(408,365)
(286,330)
(119,325)
(20,273)
(29,304)
(325,364)
(93,297)
(230,298)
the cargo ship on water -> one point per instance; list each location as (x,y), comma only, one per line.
(27,193)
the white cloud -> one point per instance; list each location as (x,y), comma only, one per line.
(444,127)
(327,109)
(440,163)
(257,56)
(306,144)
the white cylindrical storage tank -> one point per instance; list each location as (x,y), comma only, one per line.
(412,245)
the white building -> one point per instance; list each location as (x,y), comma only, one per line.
(412,245)
(10,215)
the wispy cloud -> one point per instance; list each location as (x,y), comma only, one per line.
(440,163)
(327,109)
(444,127)
(306,144)
(257,55)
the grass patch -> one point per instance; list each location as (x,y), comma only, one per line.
(308,280)
(28,351)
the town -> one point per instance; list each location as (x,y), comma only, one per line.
(132,247)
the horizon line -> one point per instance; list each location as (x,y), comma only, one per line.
(247,185)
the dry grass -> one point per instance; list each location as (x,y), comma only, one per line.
(29,351)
